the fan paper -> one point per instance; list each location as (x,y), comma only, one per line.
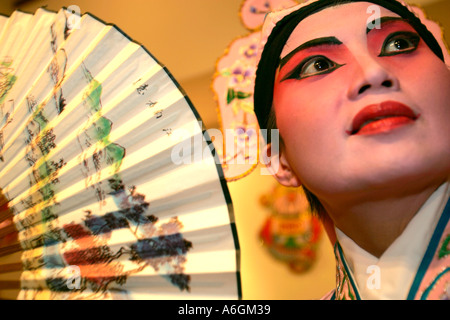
(99,201)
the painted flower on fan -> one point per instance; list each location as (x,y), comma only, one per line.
(166,254)
(7,78)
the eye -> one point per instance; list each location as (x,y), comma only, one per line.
(316,65)
(400,42)
(312,66)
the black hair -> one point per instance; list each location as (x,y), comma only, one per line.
(270,60)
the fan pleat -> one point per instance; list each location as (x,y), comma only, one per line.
(41,88)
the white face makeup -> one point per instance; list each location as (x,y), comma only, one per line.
(362,109)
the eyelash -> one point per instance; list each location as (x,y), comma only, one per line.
(412,38)
(297,72)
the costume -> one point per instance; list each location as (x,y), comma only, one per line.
(415,266)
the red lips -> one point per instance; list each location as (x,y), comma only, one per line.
(382,117)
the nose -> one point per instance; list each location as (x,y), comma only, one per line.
(370,76)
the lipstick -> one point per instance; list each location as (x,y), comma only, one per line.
(382,117)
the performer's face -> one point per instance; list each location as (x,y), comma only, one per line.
(362,108)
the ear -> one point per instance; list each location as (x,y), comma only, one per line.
(280,167)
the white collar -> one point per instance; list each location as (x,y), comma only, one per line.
(391,275)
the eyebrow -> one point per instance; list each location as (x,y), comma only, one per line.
(310,44)
(380,21)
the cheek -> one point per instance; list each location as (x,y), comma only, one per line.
(429,88)
(292,109)
(433,96)
(436,82)
(310,106)
(307,122)
(422,72)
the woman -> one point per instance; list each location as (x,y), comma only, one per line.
(359,91)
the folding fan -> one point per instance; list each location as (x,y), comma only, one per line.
(110,186)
